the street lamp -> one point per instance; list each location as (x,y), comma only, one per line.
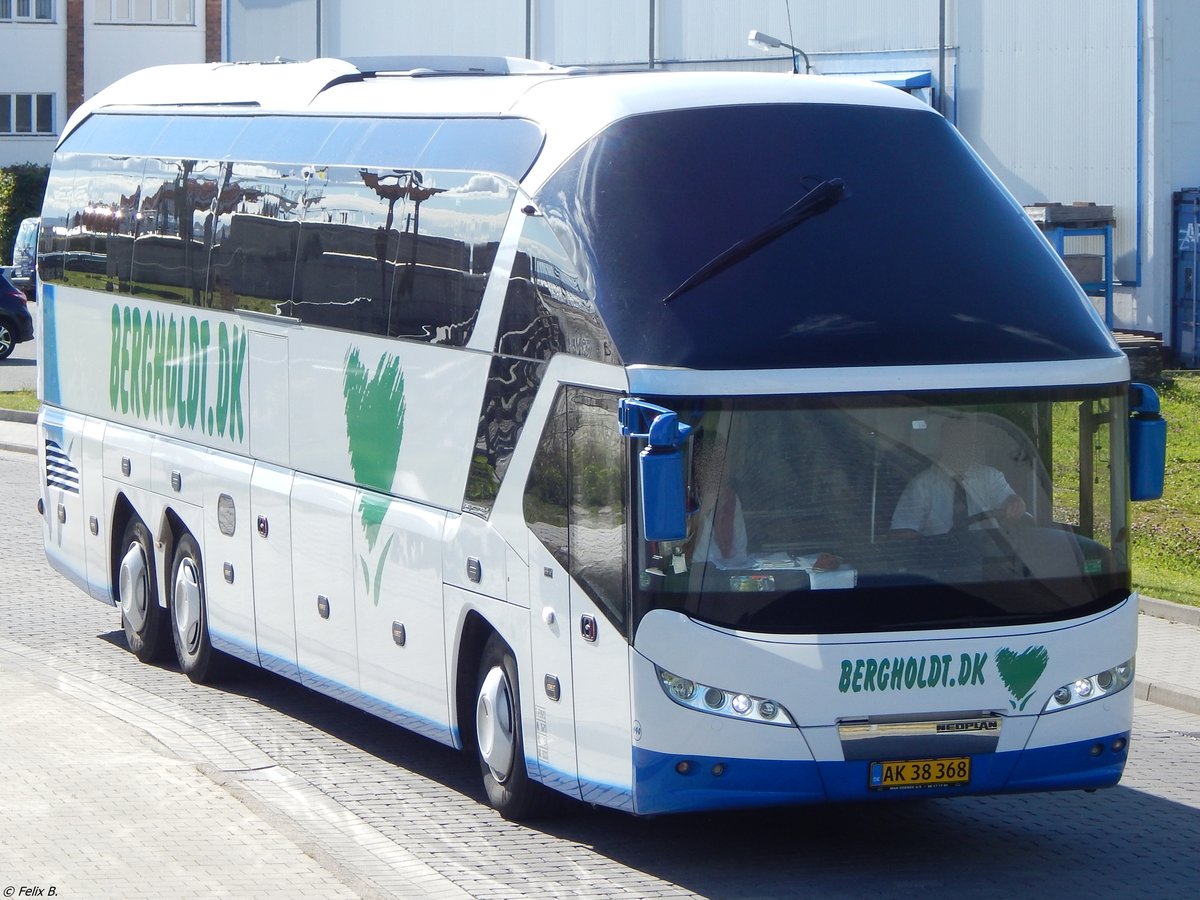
(765,42)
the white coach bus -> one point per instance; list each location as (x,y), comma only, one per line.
(672,441)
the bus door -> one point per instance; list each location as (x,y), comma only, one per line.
(551,686)
(576,511)
(598,554)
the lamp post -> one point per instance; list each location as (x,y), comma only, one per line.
(765,42)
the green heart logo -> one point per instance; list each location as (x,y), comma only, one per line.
(374,430)
(1020,671)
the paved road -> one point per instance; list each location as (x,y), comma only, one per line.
(19,371)
(376,811)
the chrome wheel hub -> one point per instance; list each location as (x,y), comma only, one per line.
(134,587)
(186,606)
(494,724)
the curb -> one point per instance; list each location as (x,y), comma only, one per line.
(18,415)
(1162,693)
(13,441)
(1172,612)
(1169,695)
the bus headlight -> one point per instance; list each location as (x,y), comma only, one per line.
(721,702)
(1084,690)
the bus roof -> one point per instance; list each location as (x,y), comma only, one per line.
(577,103)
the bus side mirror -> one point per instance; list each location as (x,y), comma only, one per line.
(660,467)
(1147,444)
(664,507)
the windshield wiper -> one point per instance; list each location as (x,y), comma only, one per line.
(817,200)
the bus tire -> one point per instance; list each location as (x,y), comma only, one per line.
(499,741)
(189,614)
(142,619)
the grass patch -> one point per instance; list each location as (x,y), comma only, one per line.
(26,400)
(1166,532)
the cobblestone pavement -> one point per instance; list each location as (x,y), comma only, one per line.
(128,780)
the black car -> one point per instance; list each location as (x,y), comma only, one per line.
(16,324)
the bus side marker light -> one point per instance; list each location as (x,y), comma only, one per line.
(226,515)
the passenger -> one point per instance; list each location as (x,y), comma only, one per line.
(956,492)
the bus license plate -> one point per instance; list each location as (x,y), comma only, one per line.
(920,773)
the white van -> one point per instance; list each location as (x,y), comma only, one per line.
(24,257)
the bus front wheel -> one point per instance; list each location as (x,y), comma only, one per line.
(189,614)
(498,736)
(142,619)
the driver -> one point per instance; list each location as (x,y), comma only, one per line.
(956,491)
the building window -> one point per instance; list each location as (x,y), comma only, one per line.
(144,12)
(26,113)
(28,10)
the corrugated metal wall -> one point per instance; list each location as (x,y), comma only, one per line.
(1047,94)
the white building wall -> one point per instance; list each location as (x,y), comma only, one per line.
(382,28)
(1047,94)
(260,30)
(114,51)
(1172,140)
(33,59)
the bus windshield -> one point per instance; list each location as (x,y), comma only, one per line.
(852,514)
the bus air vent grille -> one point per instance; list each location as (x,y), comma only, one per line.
(59,471)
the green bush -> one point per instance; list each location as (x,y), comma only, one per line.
(21,190)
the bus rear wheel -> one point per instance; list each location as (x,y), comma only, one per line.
(142,619)
(498,736)
(189,615)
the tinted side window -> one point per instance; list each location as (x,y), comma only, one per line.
(447,243)
(349,240)
(546,492)
(179,201)
(252,260)
(511,387)
(597,541)
(575,497)
(101,220)
(549,308)
(57,208)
